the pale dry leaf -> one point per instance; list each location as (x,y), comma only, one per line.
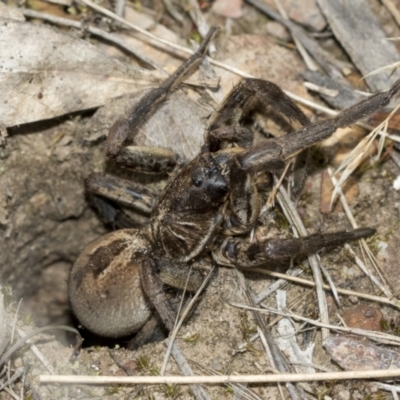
(228,8)
(359,355)
(287,340)
(45,73)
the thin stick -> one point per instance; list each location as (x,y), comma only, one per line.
(384,288)
(345,292)
(94,31)
(152,38)
(373,335)
(271,198)
(182,318)
(22,341)
(311,65)
(240,389)
(186,380)
(120,7)
(265,293)
(267,349)
(37,352)
(291,213)
(201,23)
(169,7)
(275,356)
(199,392)
(12,393)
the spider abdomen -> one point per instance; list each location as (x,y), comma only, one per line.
(105,289)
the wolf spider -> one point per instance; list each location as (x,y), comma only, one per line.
(206,208)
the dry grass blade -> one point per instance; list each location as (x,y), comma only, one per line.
(390,67)
(171,10)
(22,341)
(276,285)
(201,23)
(382,300)
(389,388)
(17,374)
(329,279)
(149,37)
(97,32)
(379,337)
(199,392)
(353,160)
(383,287)
(238,389)
(186,380)
(273,352)
(293,217)
(393,9)
(182,318)
(311,65)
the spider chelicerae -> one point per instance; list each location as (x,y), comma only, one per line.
(207,208)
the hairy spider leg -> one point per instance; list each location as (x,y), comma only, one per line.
(133,248)
(122,191)
(156,271)
(224,128)
(224,124)
(152,265)
(273,150)
(267,252)
(112,196)
(122,128)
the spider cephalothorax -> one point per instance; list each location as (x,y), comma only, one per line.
(206,209)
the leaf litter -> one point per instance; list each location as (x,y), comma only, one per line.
(60,74)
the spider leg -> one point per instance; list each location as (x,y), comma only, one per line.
(240,135)
(243,254)
(112,197)
(152,331)
(179,275)
(223,128)
(121,129)
(153,287)
(262,156)
(122,191)
(114,216)
(224,124)
(156,160)
(157,271)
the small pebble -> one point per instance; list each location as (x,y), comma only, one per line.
(396,183)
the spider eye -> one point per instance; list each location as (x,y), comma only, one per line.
(208,172)
(197,181)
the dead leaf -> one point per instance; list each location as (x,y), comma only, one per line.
(228,8)
(45,73)
(356,355)
(363,316)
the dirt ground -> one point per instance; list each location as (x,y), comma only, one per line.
(45,221)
